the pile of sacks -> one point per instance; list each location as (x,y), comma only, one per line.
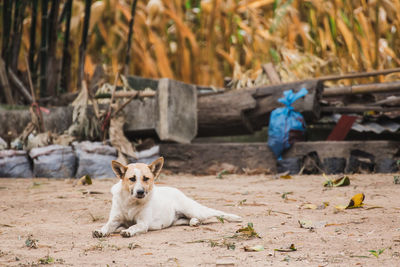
(57,161)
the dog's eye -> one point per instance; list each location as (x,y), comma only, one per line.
(145,179)
(132,179)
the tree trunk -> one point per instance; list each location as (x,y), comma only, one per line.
(66,59)
(19,10)
(53,69)
(32,40)
(82,47)
(43,50)
(7,11)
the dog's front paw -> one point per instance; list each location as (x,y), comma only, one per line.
(194,222)
(126,233)
(98,234)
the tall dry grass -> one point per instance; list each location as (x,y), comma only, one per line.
(202,41)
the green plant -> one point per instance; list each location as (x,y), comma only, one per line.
(377,253)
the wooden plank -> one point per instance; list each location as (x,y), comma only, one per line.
(176,111)
(342,128)
(273,76)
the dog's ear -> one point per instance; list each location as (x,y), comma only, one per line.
(118,169)
(156,166)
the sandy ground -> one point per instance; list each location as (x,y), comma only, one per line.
(58,218)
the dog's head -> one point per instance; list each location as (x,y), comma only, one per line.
(138,178)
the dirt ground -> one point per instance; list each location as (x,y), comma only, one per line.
(50,221)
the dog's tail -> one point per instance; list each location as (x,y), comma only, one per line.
(193,209)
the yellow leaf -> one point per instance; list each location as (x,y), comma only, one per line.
(340,207)
(356,201)
(286,176)
(310,206)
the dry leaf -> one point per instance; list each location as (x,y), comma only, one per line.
(84,180)
(310,206)
(248,231)
(356,201)
(342,181)
(307,224)
(340,207)
(253,248)
(290,249)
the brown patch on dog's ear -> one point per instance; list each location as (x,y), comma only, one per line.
(156,166)
(118,169)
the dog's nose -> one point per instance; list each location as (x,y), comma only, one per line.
(140,192)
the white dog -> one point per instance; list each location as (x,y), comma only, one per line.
(140,205)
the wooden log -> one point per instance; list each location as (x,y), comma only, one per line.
(358,109)
(57,120)
(223,114)
(138,94)
(358,75)
(363,89)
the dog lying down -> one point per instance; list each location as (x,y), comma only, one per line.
(142,206)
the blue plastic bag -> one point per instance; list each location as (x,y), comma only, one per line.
(286,124)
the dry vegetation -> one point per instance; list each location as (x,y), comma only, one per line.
(202,41)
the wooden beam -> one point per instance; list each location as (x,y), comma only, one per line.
(358,75)
(358,109)
(362,89)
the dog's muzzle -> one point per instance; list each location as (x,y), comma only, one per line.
(140,193)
